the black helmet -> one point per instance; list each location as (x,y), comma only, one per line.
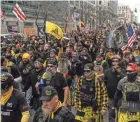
(6,80)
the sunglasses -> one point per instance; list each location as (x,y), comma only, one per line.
(37,62)
(129,71)
(87,70)
(115,61)
(50,66)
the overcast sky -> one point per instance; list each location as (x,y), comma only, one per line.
(133,4)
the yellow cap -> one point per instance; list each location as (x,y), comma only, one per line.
(26,56)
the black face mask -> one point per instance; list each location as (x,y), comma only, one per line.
(37,69)
(131,77)
(25,62)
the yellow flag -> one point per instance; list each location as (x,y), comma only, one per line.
(54,30)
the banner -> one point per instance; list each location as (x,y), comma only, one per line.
(29,31)
(54,30)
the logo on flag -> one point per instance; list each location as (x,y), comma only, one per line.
(54,30)
(19,13)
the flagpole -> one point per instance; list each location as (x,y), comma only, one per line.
(45,34)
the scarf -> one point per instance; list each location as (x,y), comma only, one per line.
(5,97)
(57,107)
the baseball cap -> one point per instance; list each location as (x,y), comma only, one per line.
(53,51)
(48,93)
(39,60)
(132,66)
(26,56)
(52,61)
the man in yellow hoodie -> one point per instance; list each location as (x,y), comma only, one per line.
(14,107)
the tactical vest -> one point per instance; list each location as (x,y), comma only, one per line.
(87,92)
(131,96)
(63,114)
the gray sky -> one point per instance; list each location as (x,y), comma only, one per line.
(133,4)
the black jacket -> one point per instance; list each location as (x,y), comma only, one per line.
(61,115)
(111,79)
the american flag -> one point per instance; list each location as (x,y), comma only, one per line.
(131,37)
(19,13)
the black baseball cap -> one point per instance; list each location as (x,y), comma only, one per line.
(52,61)
(48,93)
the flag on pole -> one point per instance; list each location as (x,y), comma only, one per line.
(81,24)
(54,30)
(19,13)
(131,37)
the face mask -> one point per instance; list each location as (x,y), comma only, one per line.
(98,62)
(37,69)
(131,77)
(87,73)
(25,62)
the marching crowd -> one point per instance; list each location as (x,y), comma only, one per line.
(76,79)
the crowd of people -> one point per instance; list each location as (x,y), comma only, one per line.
(76,79)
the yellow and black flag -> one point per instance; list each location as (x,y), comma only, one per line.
(54,30)
(82,24)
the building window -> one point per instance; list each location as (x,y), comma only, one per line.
(100,2)
(77,3)
(10,1)
(28,24)
(72,2)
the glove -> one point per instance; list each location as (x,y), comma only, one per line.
(112,113)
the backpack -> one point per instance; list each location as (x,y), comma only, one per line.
(63,114)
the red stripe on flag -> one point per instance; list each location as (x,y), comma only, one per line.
(20,13)
(132,38)
(130,42)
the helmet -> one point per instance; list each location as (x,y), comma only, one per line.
(6,80)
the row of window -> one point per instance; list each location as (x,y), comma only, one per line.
(123,7)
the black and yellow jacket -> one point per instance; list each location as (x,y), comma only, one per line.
(100,95)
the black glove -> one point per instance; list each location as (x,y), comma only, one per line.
(112,113)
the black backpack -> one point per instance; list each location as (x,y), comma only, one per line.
(63,115)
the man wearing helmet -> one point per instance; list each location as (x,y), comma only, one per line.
(13,104)
(129,90)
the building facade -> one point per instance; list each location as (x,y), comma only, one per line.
(125,14)
(106,11)
(36,12)
(92,13)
